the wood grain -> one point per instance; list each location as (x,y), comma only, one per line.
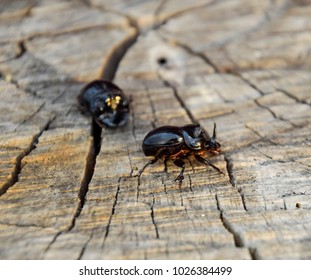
(243,65)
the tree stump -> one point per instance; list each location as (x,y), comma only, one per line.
(68,189)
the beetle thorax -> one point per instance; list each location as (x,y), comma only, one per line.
(193,143)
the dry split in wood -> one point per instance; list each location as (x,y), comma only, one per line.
(242,64)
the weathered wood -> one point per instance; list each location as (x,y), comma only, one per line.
(241,64)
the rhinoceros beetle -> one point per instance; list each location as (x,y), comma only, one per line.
(178,143)
(105,102)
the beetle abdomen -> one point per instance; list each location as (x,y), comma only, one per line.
(163,139)
(167,137)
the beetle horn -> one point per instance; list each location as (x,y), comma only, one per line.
(213,138)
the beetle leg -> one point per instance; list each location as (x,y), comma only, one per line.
(180,163)
(152,161)
(206,162)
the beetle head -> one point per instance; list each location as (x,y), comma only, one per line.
(211,145)
(106,102)
(111,112)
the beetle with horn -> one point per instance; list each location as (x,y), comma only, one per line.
(178,143)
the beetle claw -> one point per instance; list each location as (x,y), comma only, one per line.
(179,178)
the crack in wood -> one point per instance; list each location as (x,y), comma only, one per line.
(190,181)
(267,108)
(153,218)
(261,138)
(284,204)
(30,117)
(230,170)
(164,185)
(303,164)
(62,93)
(138,188)
(85,246)
(87,176)
(178,97)
(232,177)
(291,96)
(136,239)
(160,22)
(50,34)
(18,162)
(152,108)
(181,197)
(267,15)
(159,9)
(112,213)
(264,139)
(261,152)
(237,239)
(22,49)
(200,55)
(256,101)
(130,161)
(253,253)
(238,74)
(111,64)
(131,20)
(52,242)
(22,225)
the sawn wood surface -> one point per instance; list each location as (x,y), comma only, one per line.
(244,65)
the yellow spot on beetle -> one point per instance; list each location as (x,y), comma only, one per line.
(113,102)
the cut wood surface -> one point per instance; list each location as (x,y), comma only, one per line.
(68,189)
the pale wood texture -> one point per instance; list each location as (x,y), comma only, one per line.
(244,65)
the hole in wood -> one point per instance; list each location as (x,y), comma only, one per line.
(162,61)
